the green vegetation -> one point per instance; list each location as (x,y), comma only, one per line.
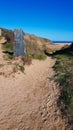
(27,59)
(39,56)
(21,68)
(35,52)
(8,34)
(8,57)
(35,46)
(8,47)
(8,50)
(64,69)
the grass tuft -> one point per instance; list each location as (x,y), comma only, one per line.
(64,69)
(8,47)
(21,68)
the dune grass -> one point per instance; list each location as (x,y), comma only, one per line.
(8,47)
(35,52)
(64,69)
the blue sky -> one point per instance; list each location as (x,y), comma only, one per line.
(52,19)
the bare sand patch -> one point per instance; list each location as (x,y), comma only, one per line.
(29,101)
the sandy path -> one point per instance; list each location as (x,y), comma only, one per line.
(28,101)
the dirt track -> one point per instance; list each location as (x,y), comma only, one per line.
(28,101)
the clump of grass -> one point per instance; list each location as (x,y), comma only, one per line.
(64,69)
(8,57)
(35,52)
(27,59)
(8,50)
(21,68)
(8,47)
(39,56)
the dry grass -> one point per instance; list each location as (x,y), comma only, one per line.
(64,68)
(35,52)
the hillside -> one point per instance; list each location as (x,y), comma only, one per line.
(64,76)
(29,93)
(41,42)
(35,46)
(8,34)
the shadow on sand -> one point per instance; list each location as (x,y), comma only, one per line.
(7,52)
(68,50)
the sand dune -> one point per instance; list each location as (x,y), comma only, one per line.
(29,101)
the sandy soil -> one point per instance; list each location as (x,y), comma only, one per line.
(29,101)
